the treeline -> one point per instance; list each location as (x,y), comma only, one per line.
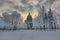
(46,20)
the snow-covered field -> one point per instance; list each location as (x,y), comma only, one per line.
(29,35)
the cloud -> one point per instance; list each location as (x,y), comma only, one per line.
(1,4)
(24,1)
(56,5)
(50,1)
(21,5)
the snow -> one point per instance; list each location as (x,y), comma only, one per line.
(29,35)
(4,24)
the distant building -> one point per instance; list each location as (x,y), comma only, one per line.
(28,21)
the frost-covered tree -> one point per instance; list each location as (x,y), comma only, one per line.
(6,16)
(51,19)
(42,15)
(45,20)
(15,18)
(29,22)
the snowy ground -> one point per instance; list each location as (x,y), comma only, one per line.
(29,35)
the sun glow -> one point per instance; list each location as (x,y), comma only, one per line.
(24,15)
(34,14)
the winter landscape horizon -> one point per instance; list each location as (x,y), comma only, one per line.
(29,19)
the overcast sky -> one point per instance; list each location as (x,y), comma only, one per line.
(31,5)
(21,5)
